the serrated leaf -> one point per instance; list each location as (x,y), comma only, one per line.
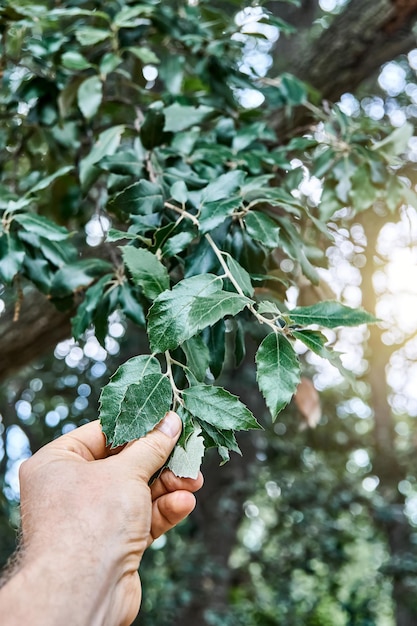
(212,214)
(141,198)
(90,96)
(123,163)
(113,234)
(198,356)
(268,307)
(111,397)
(179,117)
(177,243)
(169,316)
(315,341)
(218,407)
(262,228)
(147,271)
(223,186)
(330,314)
(207,310)
(41,226)
(278,371)
(144,405)
(221,439)
(186,462)
(241,276)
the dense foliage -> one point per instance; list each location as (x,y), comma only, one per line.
(149,187)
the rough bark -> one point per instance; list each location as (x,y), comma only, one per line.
(359,40)
(31,332)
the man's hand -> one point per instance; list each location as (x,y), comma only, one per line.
(88,515)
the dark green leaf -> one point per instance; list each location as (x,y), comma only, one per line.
(179,117)
(223,187)
(330,314)
(278,371)
(169,317)
(198,356)
(241,276)
(41,226)
(44,183)
(218,407)
(77,275)
(130,305)
(106,144)
(84,317)
(144,405)
(212,214)
(141,198)
(12,255)
(147,56)
(147,271)
(262,228)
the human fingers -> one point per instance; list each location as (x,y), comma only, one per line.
(168,482)
(169,510)
(148,454)
(87,441)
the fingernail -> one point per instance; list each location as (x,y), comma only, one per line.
(170,425)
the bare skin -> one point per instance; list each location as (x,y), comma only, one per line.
(88,515)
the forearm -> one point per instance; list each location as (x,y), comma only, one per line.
(51,590)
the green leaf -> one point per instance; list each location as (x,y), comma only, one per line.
(41,226)
(396,142)
(146,270)
(186,463)
(107,143)
(76,275)
(218,407)
(113,234)
(111,397)
(88,36)
(130,304)
(177,243)
(73,60)
(84,317)
(144,405)
(179,192)
(169,317)
(125,17)
(12,255)
(198,356)
(141,198)
(179,117)
(215,338)
(278,371)
(241,276)
(147,56)
(124,163)
(44,183)
(193,304)
(223,440)
(223,186)
(315,341)
(207,310)
(212,214)
(90,96)
(330,314)
(262,228)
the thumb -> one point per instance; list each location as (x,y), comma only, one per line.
(149,453)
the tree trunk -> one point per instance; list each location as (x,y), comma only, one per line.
(391,518)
